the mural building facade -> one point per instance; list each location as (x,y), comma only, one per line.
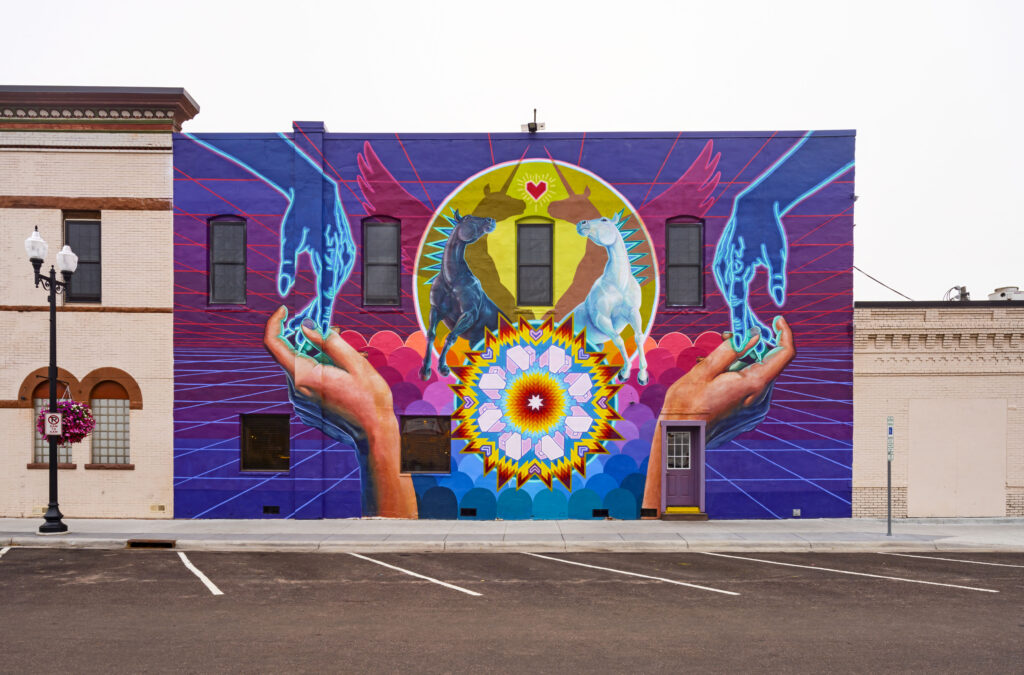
(513,325)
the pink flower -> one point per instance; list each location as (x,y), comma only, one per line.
(77,419)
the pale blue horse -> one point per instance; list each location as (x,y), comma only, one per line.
(614,299)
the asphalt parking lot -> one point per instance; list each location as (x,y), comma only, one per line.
(159,611)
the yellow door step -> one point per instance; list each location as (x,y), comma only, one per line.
(682,509)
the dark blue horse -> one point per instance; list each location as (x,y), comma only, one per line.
(456,296)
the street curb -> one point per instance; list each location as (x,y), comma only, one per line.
(516,546)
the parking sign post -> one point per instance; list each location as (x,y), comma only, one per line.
(889,448)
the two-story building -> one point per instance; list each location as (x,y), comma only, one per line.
(90,167)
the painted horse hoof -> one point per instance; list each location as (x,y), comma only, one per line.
(642,378)
(425,373)
(443,370)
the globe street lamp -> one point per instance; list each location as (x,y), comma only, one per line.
(67,262)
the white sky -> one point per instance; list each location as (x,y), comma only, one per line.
(931,88)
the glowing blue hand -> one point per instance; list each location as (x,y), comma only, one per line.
(314,221)
(755,235)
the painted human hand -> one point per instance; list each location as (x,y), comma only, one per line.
(753,237)
(348,402)
(355,392)
(730,395)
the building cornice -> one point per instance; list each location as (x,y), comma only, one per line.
(157,109)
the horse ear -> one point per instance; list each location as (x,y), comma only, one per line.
(586,191)
(487,189)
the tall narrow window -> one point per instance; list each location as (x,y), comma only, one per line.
(266,445)
(82,234)
(684,257)
(382,262)
(41,445)
(110,409)
(534,269)
(227,261)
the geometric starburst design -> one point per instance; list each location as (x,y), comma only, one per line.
(534,403)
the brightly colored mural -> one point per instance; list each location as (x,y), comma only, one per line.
(557,409)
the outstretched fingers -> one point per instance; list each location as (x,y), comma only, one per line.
(760,374)
(275,344)
(339,351)
(298,367)
(724,355)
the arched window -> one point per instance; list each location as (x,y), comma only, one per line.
(110,408)
(40,443)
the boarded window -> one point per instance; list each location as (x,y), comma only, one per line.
(426,443)
(684,257)
(111,410)
(534,270)
(83,236)
(382,262)
(266,445)
(227,262)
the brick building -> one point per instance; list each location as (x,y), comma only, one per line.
(951,374)
(90,167)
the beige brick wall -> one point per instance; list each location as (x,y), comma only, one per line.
(872,502)
(86,173)
(137,254)
(133,244)
(964,353)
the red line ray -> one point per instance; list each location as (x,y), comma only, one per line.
(225,200)
(740,172)
(415,172)
(660,168)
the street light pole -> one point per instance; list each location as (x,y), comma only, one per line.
(67,261)
(54,519)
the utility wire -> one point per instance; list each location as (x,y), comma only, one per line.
(883,284)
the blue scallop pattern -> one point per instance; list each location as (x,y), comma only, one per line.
(582,504)
(438,503)
(635,482)
(483,501)
(514,505)
(602,484)
(620,466)
(622,504)
(458,482)
(551,505)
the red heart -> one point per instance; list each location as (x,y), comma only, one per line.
(536,189)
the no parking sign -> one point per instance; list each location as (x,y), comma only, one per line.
(54,424)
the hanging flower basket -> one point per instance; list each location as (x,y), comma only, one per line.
(78,421)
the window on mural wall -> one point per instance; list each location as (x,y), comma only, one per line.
(266,443)
(227,261)
(382,262)
(82,234)
(426,443)
(534,263)
(684,262)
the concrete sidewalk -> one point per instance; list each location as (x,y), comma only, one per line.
(415,536)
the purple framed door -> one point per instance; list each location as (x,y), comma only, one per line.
(682,452)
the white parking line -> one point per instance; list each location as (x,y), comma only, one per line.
(633,574)
(932,557)
(3,550)
(202,577)
(415,574)
(858,574)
